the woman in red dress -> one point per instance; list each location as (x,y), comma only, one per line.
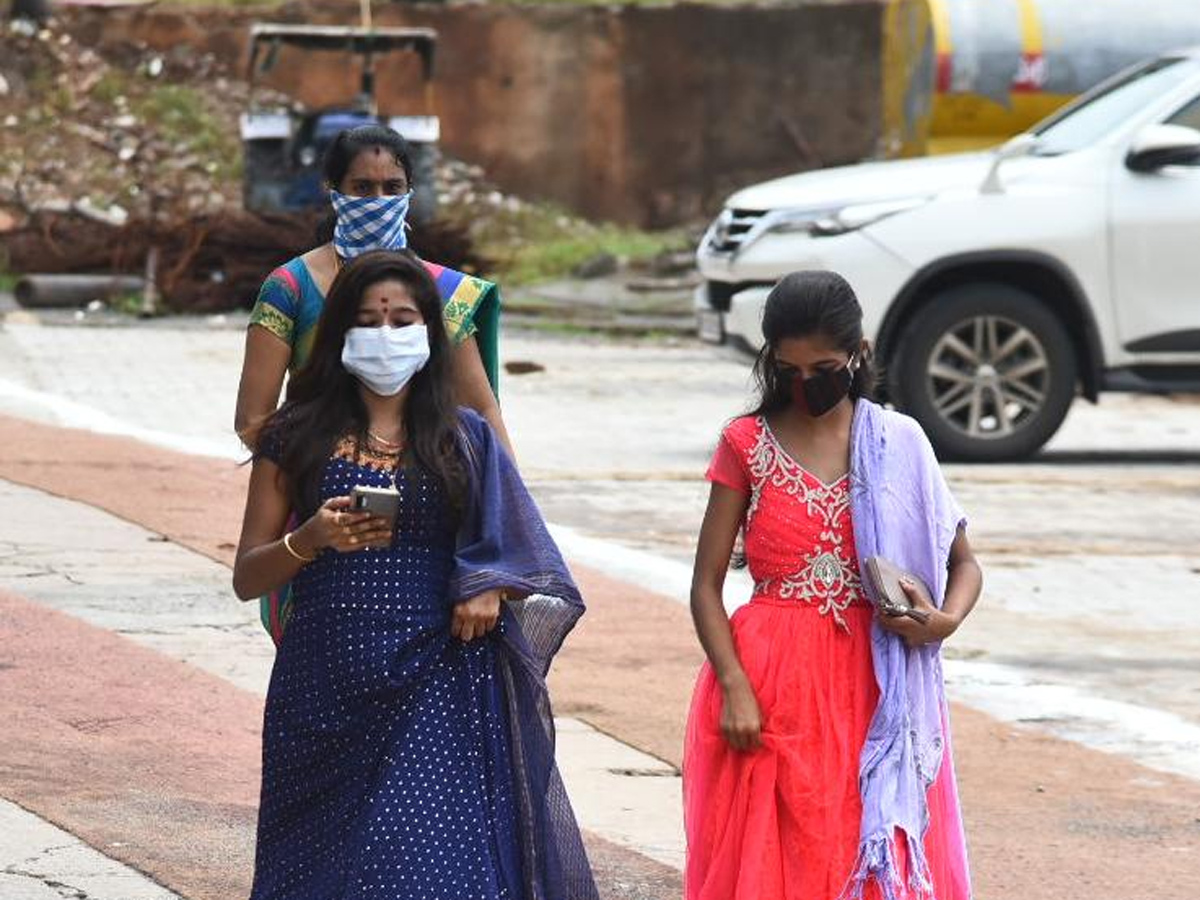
(783,707)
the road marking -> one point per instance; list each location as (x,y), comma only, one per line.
(618,792)
(1153,737)
(647,570)
(72,414)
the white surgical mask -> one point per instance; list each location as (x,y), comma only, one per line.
(385,359)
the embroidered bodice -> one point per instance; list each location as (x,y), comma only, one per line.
(799,540)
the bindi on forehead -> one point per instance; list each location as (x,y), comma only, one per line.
(397,301)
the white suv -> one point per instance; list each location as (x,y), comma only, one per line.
(998,285)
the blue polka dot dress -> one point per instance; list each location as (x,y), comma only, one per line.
(386,752)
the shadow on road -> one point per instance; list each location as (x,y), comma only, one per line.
(1105,457)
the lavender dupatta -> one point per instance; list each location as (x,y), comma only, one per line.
(503,544)
(903,510)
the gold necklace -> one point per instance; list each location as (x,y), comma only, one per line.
(384,441)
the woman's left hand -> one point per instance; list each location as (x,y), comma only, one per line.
(938,627)
(476,617)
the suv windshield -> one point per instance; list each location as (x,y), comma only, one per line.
(1080,126)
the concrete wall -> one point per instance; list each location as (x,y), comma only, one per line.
(637,114)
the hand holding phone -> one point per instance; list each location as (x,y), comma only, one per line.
(337,525)
(381,502)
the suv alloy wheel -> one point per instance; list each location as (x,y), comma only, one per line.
(987,369)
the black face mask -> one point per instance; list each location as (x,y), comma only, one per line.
(820,393)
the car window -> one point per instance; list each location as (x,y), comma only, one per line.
(1189,116)
(1083,124)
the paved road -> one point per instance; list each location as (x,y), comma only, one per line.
(115,575)
(1092,552)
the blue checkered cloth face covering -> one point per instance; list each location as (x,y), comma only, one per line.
(369,223)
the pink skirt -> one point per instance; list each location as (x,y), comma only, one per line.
(783,822)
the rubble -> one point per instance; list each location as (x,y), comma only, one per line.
(144,144)
(130,135)
(110,155)
(207,262)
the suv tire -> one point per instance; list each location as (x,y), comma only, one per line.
(987,369)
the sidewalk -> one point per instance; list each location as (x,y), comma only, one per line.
(1085,632)
(1045,818)
(42,862)
(149,614)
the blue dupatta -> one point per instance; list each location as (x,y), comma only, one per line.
(503,544)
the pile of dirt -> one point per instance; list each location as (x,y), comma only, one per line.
(133,134)
(109,155)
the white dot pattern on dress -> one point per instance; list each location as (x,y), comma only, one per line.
(386,747)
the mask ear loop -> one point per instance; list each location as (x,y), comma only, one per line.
(852,368)
(861,355)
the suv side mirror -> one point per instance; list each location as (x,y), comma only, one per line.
(1017,146)
(1164,145)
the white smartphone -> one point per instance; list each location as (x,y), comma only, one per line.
(382,502)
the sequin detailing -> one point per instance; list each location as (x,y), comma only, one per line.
(387,763)
(823,571)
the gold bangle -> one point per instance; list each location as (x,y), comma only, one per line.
(287,545)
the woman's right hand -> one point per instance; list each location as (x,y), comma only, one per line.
(335,527)
(741,721)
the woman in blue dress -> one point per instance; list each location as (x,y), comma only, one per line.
(369,173)
(408,747)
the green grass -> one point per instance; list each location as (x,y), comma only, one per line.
(126,304)
(560,329)
(52,98)
(8,278)
(554,257)
(541,242)
(597,3)
(112,84)
(180,115)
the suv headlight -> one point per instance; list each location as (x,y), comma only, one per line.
(828,222)
(860,215)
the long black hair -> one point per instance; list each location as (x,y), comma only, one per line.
(345,149)
(805,304)
(324,405)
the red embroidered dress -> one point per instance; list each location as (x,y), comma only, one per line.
(782,823)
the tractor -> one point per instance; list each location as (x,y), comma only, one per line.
(284,143)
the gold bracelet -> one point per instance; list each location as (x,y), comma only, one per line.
(287,545)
